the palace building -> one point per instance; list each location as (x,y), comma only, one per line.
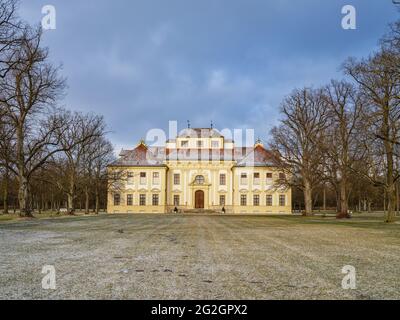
(199,171)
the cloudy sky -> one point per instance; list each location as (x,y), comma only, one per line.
(141,63)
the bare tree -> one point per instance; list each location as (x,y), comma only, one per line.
(341,144)
(379,83)
(10,32)
(33,131)
(77,142)
(94,163)
(298,138)
(102,156)
(28,95)
(7,146)
(10,26)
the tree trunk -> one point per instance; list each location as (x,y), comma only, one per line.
(24,198)
(5,194)
(308,198)
(398,197)
(97,201)
(391,212)
(86,200)
(39,204)
(70,204)
(344,206)
(52,206)
(71,195)
(338,199)
(384,201)
(390,216)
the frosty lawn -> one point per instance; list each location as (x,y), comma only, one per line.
(200,257)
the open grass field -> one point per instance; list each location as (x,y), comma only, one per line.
(199,257)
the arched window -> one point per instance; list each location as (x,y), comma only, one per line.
(199,180)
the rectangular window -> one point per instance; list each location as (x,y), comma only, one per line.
(243,200)
(143,178)
(177,179)
(130,178)
(184,144)
(256,200)
(269,176)
(156,178)
(200,144)
(282,176)
(176,200)
(129,200)
(256,178)
(117,199)
(155,200)
(222,179)
(142,200)
(282,200)
(269,201)
(215,144)
(222,200)
(243,178)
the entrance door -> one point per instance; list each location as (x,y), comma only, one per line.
(199,199)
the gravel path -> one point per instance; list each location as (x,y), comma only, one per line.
(199,257)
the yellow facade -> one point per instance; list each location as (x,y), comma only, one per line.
(133,186)
(194,173)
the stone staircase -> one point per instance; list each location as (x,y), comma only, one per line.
(200,211)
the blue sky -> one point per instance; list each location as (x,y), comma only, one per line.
(143,63)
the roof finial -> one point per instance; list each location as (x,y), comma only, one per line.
(212,125)
(142,142)
(188,123)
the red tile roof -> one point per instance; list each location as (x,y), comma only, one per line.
(156,156)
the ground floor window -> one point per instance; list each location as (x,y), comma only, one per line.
(282,200)
(117,199)
(155,200)
(269,201)
(256,200)
(129,200)
(176,200)
(222,200)
(142,200)
(243,200)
